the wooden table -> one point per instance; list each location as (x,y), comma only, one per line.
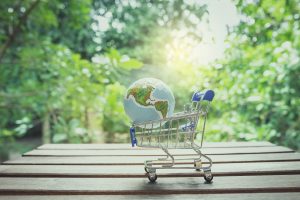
(246,170)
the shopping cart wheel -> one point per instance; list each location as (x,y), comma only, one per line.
(208,176)
(152,177)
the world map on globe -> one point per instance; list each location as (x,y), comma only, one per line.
(148,99)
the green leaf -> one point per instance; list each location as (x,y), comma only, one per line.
(131,64)
(113,54)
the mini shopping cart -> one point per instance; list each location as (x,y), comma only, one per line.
(176,132)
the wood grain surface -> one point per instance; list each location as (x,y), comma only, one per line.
(128,146)
(242,170)
(243,196)
(138,171)
(158,152)
(139,160)
(184,185)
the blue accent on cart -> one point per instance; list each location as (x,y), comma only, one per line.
(188,127)
(132,137)
(207,95)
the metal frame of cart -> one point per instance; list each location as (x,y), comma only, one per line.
(176,132)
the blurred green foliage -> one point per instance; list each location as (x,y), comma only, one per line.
(258,80)
(65,66)
(47,78)
(141,28)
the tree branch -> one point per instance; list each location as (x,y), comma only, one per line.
(17,29)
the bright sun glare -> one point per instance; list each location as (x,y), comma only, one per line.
(222,14)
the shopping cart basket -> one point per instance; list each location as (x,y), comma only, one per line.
(176,132)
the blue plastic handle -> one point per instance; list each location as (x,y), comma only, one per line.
(208,95)
(132,137)
(197,96)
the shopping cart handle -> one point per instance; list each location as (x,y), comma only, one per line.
(132,137)
(208,95)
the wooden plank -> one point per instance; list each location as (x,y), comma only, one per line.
(128,146)
(236,169)
(189,185)
(159,152)
(244,196)
(139,160)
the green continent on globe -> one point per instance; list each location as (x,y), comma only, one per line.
(142,96)
(162,106)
